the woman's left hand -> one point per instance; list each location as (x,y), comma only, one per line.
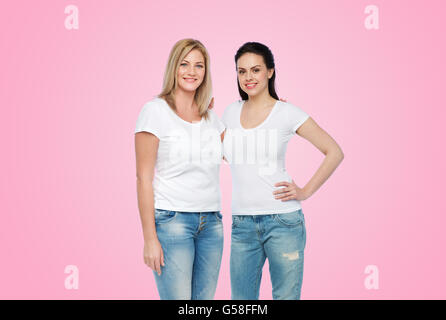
(290,191)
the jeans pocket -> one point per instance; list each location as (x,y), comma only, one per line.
(218,215)
(164,216)
(290,219)
(235,221)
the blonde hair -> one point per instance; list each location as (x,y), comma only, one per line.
(203,94)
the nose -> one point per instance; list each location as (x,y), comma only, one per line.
(191,71)
(248,76)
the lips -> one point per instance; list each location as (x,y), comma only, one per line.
(250,85)
(190,79)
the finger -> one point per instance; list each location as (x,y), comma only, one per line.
(282,196)
(157,266)
(288,198)
(282,190)
(150,264)
(282,183)
(162,258)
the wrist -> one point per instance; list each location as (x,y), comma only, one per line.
(150,238)
(307,192)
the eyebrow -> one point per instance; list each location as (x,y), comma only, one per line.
(251,67)
(196,63)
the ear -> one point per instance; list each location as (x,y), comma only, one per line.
(270,73)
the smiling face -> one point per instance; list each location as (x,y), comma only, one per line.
(253,74)
(191,71)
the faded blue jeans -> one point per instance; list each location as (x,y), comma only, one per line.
(279,237)
(192,244)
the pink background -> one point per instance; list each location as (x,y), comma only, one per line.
(69,102)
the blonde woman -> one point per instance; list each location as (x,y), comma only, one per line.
(178,135)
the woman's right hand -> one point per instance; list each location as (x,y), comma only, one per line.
(211,104)
(153,255)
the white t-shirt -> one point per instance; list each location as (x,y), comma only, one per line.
(257,158)
(188,160)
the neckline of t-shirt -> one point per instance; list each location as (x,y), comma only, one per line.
(262,123)
(179,118)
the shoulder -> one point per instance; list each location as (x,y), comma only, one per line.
(151,118)
(215,120)
(156,106)
(155,103)
(286,105)
(213,115)
(230,112)
(290,108)
(233,106)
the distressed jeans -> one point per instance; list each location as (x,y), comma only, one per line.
(192,244)
(279,237)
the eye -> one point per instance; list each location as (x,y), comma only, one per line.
(183,64)
(256,70)
(241,72)
(199,66)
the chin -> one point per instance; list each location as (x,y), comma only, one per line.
(252,93)
(189,88)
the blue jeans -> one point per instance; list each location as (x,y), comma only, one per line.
(279,237)
(192,244)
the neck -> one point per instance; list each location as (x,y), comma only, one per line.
(260,100)
(184,99)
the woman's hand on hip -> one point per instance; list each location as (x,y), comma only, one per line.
(289,192)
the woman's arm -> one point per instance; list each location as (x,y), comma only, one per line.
(311,131)
(146,148)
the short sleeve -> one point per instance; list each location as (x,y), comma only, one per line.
(150,119)
(296,117)
(217,122)
(229,110)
